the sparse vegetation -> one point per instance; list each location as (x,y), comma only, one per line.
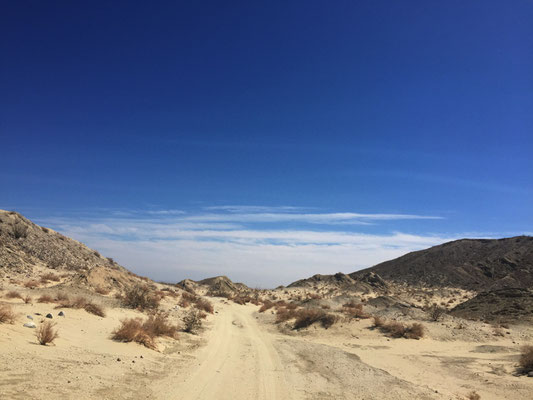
(12,294)
(50,277)
(397,329)
(95,309)
(145,333)
(45,298)
(46,333)
(19,230)
(267,305)
(204,305)
(7,315)
(436,312)
(526,359)
(354,310)
(192,322)
(473,396)
(27,299)
(31,284)
(308,316)
(102,291)
(81,302)
(140,297)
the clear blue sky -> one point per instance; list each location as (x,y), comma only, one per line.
(113,113)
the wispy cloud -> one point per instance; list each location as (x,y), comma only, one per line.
(244,242)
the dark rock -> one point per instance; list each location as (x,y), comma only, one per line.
(29,317)
(49,315)
(61,314)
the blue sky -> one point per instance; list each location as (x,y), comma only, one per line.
(143,129)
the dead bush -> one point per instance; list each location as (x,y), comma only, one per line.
(204,305)
(62,296)
(284,314)
(46,333)
(190,297)
(184,303)
(19,230)
(415,331)
(436,312)
(309,316)
(7,315)
(31,284)
(192,322)
(526,358)
(102,291)
(12,294)
(50,277)
(94,309)
(354,310)
(267,305)
(158,325)
(140,297)
(378,322)
(473,396)
(27,299)
(397,329)
(45,298)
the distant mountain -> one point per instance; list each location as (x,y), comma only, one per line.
(475,264)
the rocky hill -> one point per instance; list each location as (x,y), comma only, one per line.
(27,250)
(473,264)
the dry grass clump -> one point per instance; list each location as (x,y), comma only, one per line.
(204,305)
(436,312)
(81,302)
(145,333)
(50,277)
(12,294)
(473,396)
(95,309)
(354,310)
(102,291)
(307,317)
(184,303)
(7,315)
(397,329)
(31,284)
(526,358)
(284,314)
(192,322)
(62,296)
(140,297)
(190,297)
(267,305)
(45,298)
(27,299)
(46,333)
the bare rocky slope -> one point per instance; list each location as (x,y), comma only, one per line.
(472,264)
(27,248)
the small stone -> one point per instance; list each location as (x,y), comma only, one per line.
(29,317)
(37,313)
(118,359)
(142,357)
(49,315)
(29,325)
(61,314)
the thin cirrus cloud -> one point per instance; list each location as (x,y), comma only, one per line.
(241,242)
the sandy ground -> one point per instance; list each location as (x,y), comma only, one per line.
(242,355)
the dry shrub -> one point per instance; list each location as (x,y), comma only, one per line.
(354,310)
(190,297)
(62,296)
(19,230)
(31,284)
(140,297)
(526,358)
(473,396)
(204,305)
(50,277)
(184,303)
(202,315)
(192,322)
(314,296)
(45,298)
(7,315)
(242,300)
(397,329)
(27,299)
(284,314)
(325,307)
(12,294)
(102,291)
(309,316)
(46,333)
(94,309)
(135,330)
(267,305)
(158,325)
(378,322)
(436,312)
(498,332)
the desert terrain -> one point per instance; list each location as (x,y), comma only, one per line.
(460,333)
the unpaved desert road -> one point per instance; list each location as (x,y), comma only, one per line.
(239,362)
